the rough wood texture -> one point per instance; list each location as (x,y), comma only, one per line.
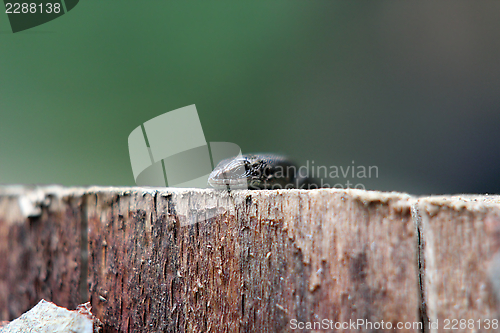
(202,260)
(40,249)
(460,237)
(250,260)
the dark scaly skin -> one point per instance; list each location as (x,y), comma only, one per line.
(259,172)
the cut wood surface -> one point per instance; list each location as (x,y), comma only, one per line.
(176,260)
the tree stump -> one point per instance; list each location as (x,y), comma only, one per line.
(176,260)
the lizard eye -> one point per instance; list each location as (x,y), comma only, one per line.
(255,170)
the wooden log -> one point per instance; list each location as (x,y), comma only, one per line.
(180,260)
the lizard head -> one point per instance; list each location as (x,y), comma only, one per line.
(250,171)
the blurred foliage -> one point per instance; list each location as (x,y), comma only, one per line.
(411,87)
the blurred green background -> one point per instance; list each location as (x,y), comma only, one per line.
(410,87)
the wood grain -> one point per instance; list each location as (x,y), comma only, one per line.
(181,260)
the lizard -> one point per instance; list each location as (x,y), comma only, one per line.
(259,172)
